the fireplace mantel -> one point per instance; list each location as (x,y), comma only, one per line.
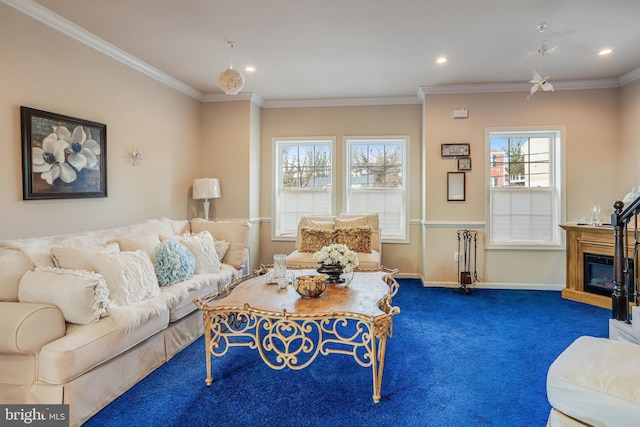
(583,239)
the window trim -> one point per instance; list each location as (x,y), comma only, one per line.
(347,141)
(558,159)
(276,143)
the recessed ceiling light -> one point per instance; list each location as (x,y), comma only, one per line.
(441,60)
(249,68)
(605,52)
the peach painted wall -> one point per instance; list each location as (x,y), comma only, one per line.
(44,69)
(340,122)
(629,155)
(590,118)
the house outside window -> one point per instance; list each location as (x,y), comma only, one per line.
(304,181)
(376,182)
(525,184)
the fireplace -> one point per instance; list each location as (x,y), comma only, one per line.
(598,275)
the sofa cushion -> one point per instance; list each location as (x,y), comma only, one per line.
(145,243)
(87,346)
(237,233)
(181,294)
(222,246)
(357,239)
(366,261)
(174,262)
(80,295)
(79,258)
(203,249)
(130,276)
(313,239)
(595,380)
(13,264)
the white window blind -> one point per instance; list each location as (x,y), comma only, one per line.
(524,181)
(304,181)
(376,171)
(521,214)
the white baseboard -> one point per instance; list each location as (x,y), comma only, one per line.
(490,285)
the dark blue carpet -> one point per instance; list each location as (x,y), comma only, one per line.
(454,360)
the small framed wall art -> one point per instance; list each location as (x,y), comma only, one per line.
(456,186)
(464,163)
(62,157)
(455,150)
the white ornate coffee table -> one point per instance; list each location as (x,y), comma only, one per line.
(290,331)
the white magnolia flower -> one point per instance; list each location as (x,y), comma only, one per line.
(49,160)
(82,149)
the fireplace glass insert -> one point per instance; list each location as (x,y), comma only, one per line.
(598,275)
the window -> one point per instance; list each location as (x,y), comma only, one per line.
(525,204)
(376,181)
(304,181)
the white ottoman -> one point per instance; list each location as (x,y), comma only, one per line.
(595,381)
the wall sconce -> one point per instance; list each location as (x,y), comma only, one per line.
(206,188)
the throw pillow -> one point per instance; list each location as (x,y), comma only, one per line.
(313,239)
(237,233)
(145,243)
(355,219)
(174,262)
(222,246)
(325,222)
(130,276)
(81,296)
(358,238)
(79,258)
(203,249)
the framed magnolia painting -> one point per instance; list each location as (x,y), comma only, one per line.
(62,157)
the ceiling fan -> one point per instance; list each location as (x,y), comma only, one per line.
(538,81)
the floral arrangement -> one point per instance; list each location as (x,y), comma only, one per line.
(337,254)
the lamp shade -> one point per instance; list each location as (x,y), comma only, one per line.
(206,188)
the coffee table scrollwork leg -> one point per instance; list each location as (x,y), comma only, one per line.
(207,340)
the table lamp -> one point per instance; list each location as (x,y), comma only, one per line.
(206,188)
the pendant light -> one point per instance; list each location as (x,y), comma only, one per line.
(231,81)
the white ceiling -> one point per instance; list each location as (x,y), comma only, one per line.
(318,49)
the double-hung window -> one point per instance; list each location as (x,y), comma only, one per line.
(524,180)
(376,182)
(304,181)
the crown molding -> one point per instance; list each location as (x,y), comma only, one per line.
(518,87)
(342,102)
(57,22)
(629,77)
(242,96)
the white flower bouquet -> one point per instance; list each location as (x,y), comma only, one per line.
(337,254)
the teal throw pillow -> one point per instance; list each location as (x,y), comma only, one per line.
(174,262)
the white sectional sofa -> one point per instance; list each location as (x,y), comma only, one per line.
(83,336)
(594,382)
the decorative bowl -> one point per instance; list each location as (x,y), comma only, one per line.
(310,286)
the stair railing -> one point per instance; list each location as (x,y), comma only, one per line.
(620,220)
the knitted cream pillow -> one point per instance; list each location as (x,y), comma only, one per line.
(204,251)
(130,276)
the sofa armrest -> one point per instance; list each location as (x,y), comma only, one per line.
(26,327)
